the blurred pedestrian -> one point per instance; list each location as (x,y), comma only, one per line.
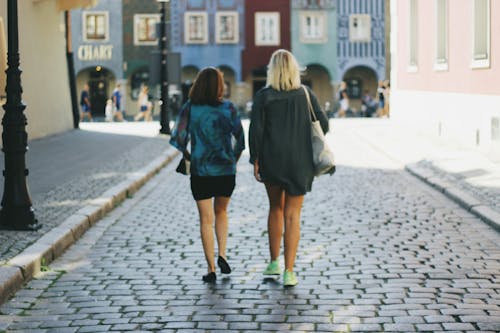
(368,104)
(387,98)
(281,152)
(108,111)
(343,100)
(210,123)
(145,105)
(117,97)
(381,98)
(85,105)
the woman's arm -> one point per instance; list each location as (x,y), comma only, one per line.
(256,130)
(180,133)
(237,132)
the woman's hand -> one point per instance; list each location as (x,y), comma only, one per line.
(256,171)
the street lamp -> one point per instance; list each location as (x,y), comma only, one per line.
(17,212)
(164,118)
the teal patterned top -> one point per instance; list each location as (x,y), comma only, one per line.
(211,130)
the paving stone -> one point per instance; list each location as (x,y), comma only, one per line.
(399,328)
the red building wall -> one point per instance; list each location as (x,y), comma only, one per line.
(254,56)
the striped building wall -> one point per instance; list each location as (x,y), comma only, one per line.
(370,54)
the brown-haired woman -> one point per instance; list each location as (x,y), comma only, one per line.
(209,122)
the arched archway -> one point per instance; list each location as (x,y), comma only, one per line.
(360,80)
(101,82)
(318,78)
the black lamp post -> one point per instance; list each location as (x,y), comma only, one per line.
(164,117)
(17,212)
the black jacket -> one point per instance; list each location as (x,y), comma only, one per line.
(280,138)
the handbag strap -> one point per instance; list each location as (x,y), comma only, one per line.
(309,104)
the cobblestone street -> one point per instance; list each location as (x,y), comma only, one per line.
(379,251)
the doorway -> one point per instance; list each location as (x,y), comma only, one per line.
(101,82)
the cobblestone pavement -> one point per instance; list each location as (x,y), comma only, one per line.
(469,170)
(59,201)
(482,190)
(380,251)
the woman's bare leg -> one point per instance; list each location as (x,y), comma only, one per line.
(221,224)
(293,207)
(275,219)
(206,213)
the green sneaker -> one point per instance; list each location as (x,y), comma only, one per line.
(289,279)
(273,268)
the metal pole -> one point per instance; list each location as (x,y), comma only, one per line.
(164,117)
(17,212)
(71,71)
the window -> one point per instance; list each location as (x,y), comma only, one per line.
(313,27)
(481,35)
(413,26)
(360,28)
(195,28)
(95,26)
(145,29)
(226,27)
(267,28)
(441,59)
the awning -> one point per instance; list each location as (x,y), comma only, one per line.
(73,4)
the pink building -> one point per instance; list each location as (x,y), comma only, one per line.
(446,69)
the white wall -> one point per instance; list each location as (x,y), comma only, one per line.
(463,119)
(43,62)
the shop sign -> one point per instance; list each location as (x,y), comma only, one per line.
(95,52)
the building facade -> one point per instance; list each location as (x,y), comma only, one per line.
(361,47)
(333,40)
(140,40)
(97,37)
(267,29)
(45,78)
(314,44)
(446,78)
(209,33)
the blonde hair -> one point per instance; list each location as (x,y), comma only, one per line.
(283,71)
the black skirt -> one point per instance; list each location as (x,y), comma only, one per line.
(205,187)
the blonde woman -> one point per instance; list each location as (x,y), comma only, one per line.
(281,153)
(144,105)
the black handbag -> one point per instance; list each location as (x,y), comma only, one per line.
(184,167)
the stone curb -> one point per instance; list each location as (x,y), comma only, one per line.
(464,199)
(20,269)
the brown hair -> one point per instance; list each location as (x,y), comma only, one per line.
(208,87)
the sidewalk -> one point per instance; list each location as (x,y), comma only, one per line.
(76,178)
(465,175)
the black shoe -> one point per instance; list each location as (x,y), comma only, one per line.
(224,266)
(210,277)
